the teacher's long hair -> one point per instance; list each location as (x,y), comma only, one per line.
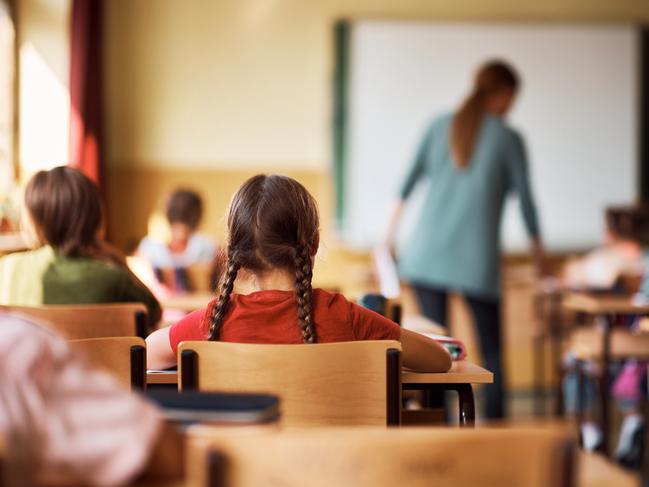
(492,78)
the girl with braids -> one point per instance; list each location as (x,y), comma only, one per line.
(273,236)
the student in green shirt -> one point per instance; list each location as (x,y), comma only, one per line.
(72,264)
(472,160)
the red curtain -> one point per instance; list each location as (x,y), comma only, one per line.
(86,87)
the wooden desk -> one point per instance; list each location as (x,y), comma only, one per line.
(187,302)
(460,378)
(605,308)
(462,372)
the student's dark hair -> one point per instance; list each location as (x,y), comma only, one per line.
(492,77)
(65,207)
(185,206)
(272,223)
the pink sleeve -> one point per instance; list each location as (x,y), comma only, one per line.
(189,328)
(368,325)
(62,414)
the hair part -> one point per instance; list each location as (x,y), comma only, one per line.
(66,210)
(272,223)
(492,77)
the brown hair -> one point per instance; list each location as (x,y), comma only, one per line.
(492,77)
(66,210)
(185,206)
(272,223)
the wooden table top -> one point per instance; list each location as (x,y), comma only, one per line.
(462,372)
(599,304)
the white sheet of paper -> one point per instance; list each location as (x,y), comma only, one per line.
(388,276)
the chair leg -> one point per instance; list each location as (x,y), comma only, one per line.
(138,367)
(393,386)
(215,469)
(141,324)
(189,370)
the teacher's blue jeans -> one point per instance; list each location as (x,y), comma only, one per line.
(486,316)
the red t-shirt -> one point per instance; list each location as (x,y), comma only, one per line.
(271,317)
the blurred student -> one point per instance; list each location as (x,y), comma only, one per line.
(57,413)
(604,269)
(473,159)
(185,247)
(273,237)
(72,263)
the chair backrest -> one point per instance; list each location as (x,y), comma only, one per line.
(88,320)
(123,357)
(322,384)
(382,457)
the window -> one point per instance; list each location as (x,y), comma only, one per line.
(9,213)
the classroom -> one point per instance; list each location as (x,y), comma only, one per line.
(324,243)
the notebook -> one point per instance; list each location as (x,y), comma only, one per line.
(190,407)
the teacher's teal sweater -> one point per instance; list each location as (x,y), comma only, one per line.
(456,244)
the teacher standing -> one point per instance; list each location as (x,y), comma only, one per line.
(472,159)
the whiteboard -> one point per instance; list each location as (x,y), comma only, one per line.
(577,111)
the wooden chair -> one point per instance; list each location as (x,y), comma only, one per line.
(123,357)
(381,457)
(350,383)
(88,320)
(165,467)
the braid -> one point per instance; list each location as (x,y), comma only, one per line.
(221,307)
(304,294)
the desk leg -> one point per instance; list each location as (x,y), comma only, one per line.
(467,405)
(215,469)
(466,401)
(645,454)
(558,371)
(539,376)
(607,323)
(555,332)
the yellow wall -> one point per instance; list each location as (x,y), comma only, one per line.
(247,82)
(240,86)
